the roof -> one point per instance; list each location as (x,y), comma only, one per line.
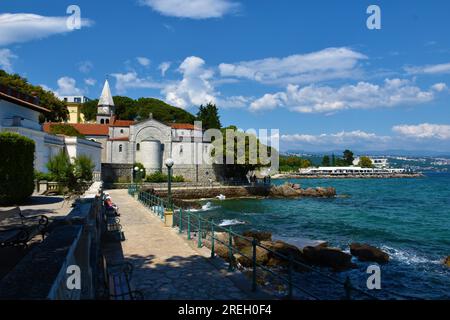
(106,97)
(87,129)
(119,139)
(122,123)
(185,126)
(16,97)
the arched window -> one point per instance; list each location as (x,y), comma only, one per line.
(120,148)
(107,121)
(138,146)
(102,121)
(181,149)
(121,130)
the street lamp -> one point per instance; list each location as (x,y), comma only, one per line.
(139,173)
(169,165)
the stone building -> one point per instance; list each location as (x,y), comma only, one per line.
(149,142)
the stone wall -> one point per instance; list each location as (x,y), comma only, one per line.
(229,192)
(115,172)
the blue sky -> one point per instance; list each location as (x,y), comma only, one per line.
(311,69)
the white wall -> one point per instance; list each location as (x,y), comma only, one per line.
(76,147)
(27,118)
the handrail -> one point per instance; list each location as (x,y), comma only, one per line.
(202,225)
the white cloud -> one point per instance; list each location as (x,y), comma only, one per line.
(143,61)
(430,69)
(439,87)
(233,102)
(424,131)
(6,58)
(164,67)
(327,64)
(325,99)
(85,66)
(340,138)
(131,80)
(23,27)
(67,86)
(90,82)
(195,88)
(193,9)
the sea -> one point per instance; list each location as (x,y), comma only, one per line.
(407,218)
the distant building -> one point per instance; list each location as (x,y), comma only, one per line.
(380,163)
(19,113)
(349,171)
(74,104)
(149,142)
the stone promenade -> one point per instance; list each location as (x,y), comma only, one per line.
(165,265)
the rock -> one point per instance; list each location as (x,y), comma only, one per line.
(328,257)
(258,235)
(285,191)
(365,252)
(284,249)
(447,262)
(245,259)
(220,250)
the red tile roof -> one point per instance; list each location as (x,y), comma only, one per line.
(87,129)
(119,139)
(185,126)
(122,123)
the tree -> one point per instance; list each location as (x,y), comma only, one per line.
(16,168)
(293,163)
(83,168)
(365,162)
(62,169)
(66,130)
(209,116)
(47,99)
(89,110)
(348,157)
(326,161)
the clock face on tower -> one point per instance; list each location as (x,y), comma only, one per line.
(105,110)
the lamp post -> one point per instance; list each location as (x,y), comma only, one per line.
(169,165)
(139,173)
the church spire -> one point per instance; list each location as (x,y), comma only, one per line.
(106,97)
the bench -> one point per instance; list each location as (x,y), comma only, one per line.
(118,282)
(17,229)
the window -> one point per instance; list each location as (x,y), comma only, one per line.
(107,121)
(120,148)
(181,149)
(65,99)
(102,121)
(77,100)
(121,130)
(138,147)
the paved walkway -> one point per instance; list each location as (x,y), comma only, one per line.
(165,265)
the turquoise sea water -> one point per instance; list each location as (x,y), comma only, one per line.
(408,218)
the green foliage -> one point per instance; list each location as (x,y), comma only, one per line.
(348,157)
(47,99)
(39,176)
(16,168)
(139,175)
(89,110)
(365,162)
(158,177)
(84,167)
(209,116)
(69,174)
(326,161)
(293,163)
(130,109)
(66,130)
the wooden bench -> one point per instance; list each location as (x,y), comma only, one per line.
(17,229)
(118,282)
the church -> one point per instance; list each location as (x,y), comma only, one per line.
(149,142)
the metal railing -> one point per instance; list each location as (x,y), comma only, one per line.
(198,228)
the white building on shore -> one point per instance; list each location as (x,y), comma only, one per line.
(350,171)
(379,163)
(19,113)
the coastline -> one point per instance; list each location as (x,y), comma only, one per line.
(348,176)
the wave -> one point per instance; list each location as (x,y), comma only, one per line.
(407,257)
(206,207)
(230,222)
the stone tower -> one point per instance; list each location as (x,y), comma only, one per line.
(105,108)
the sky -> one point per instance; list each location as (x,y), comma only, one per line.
(311,69)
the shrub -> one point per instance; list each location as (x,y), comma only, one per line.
(138,175)
(158,177)
(84,168)
(16,168)
(43,176)
(66,130)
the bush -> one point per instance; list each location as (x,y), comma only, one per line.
(66,130)
(16,168)
(43,176)
(158,177)
(84,168)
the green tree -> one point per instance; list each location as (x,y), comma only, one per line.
(89,110)
(161,111)
(66,130)
(365,162)
(47,99)
(83,168)
(139,175)
(209,116)
(16,168)
(293,163)
(349,157)
(326,161)
(62,169)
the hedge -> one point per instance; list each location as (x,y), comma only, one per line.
(16,168)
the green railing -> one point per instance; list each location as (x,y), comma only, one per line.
(196,226)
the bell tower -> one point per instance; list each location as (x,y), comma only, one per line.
(105,108)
